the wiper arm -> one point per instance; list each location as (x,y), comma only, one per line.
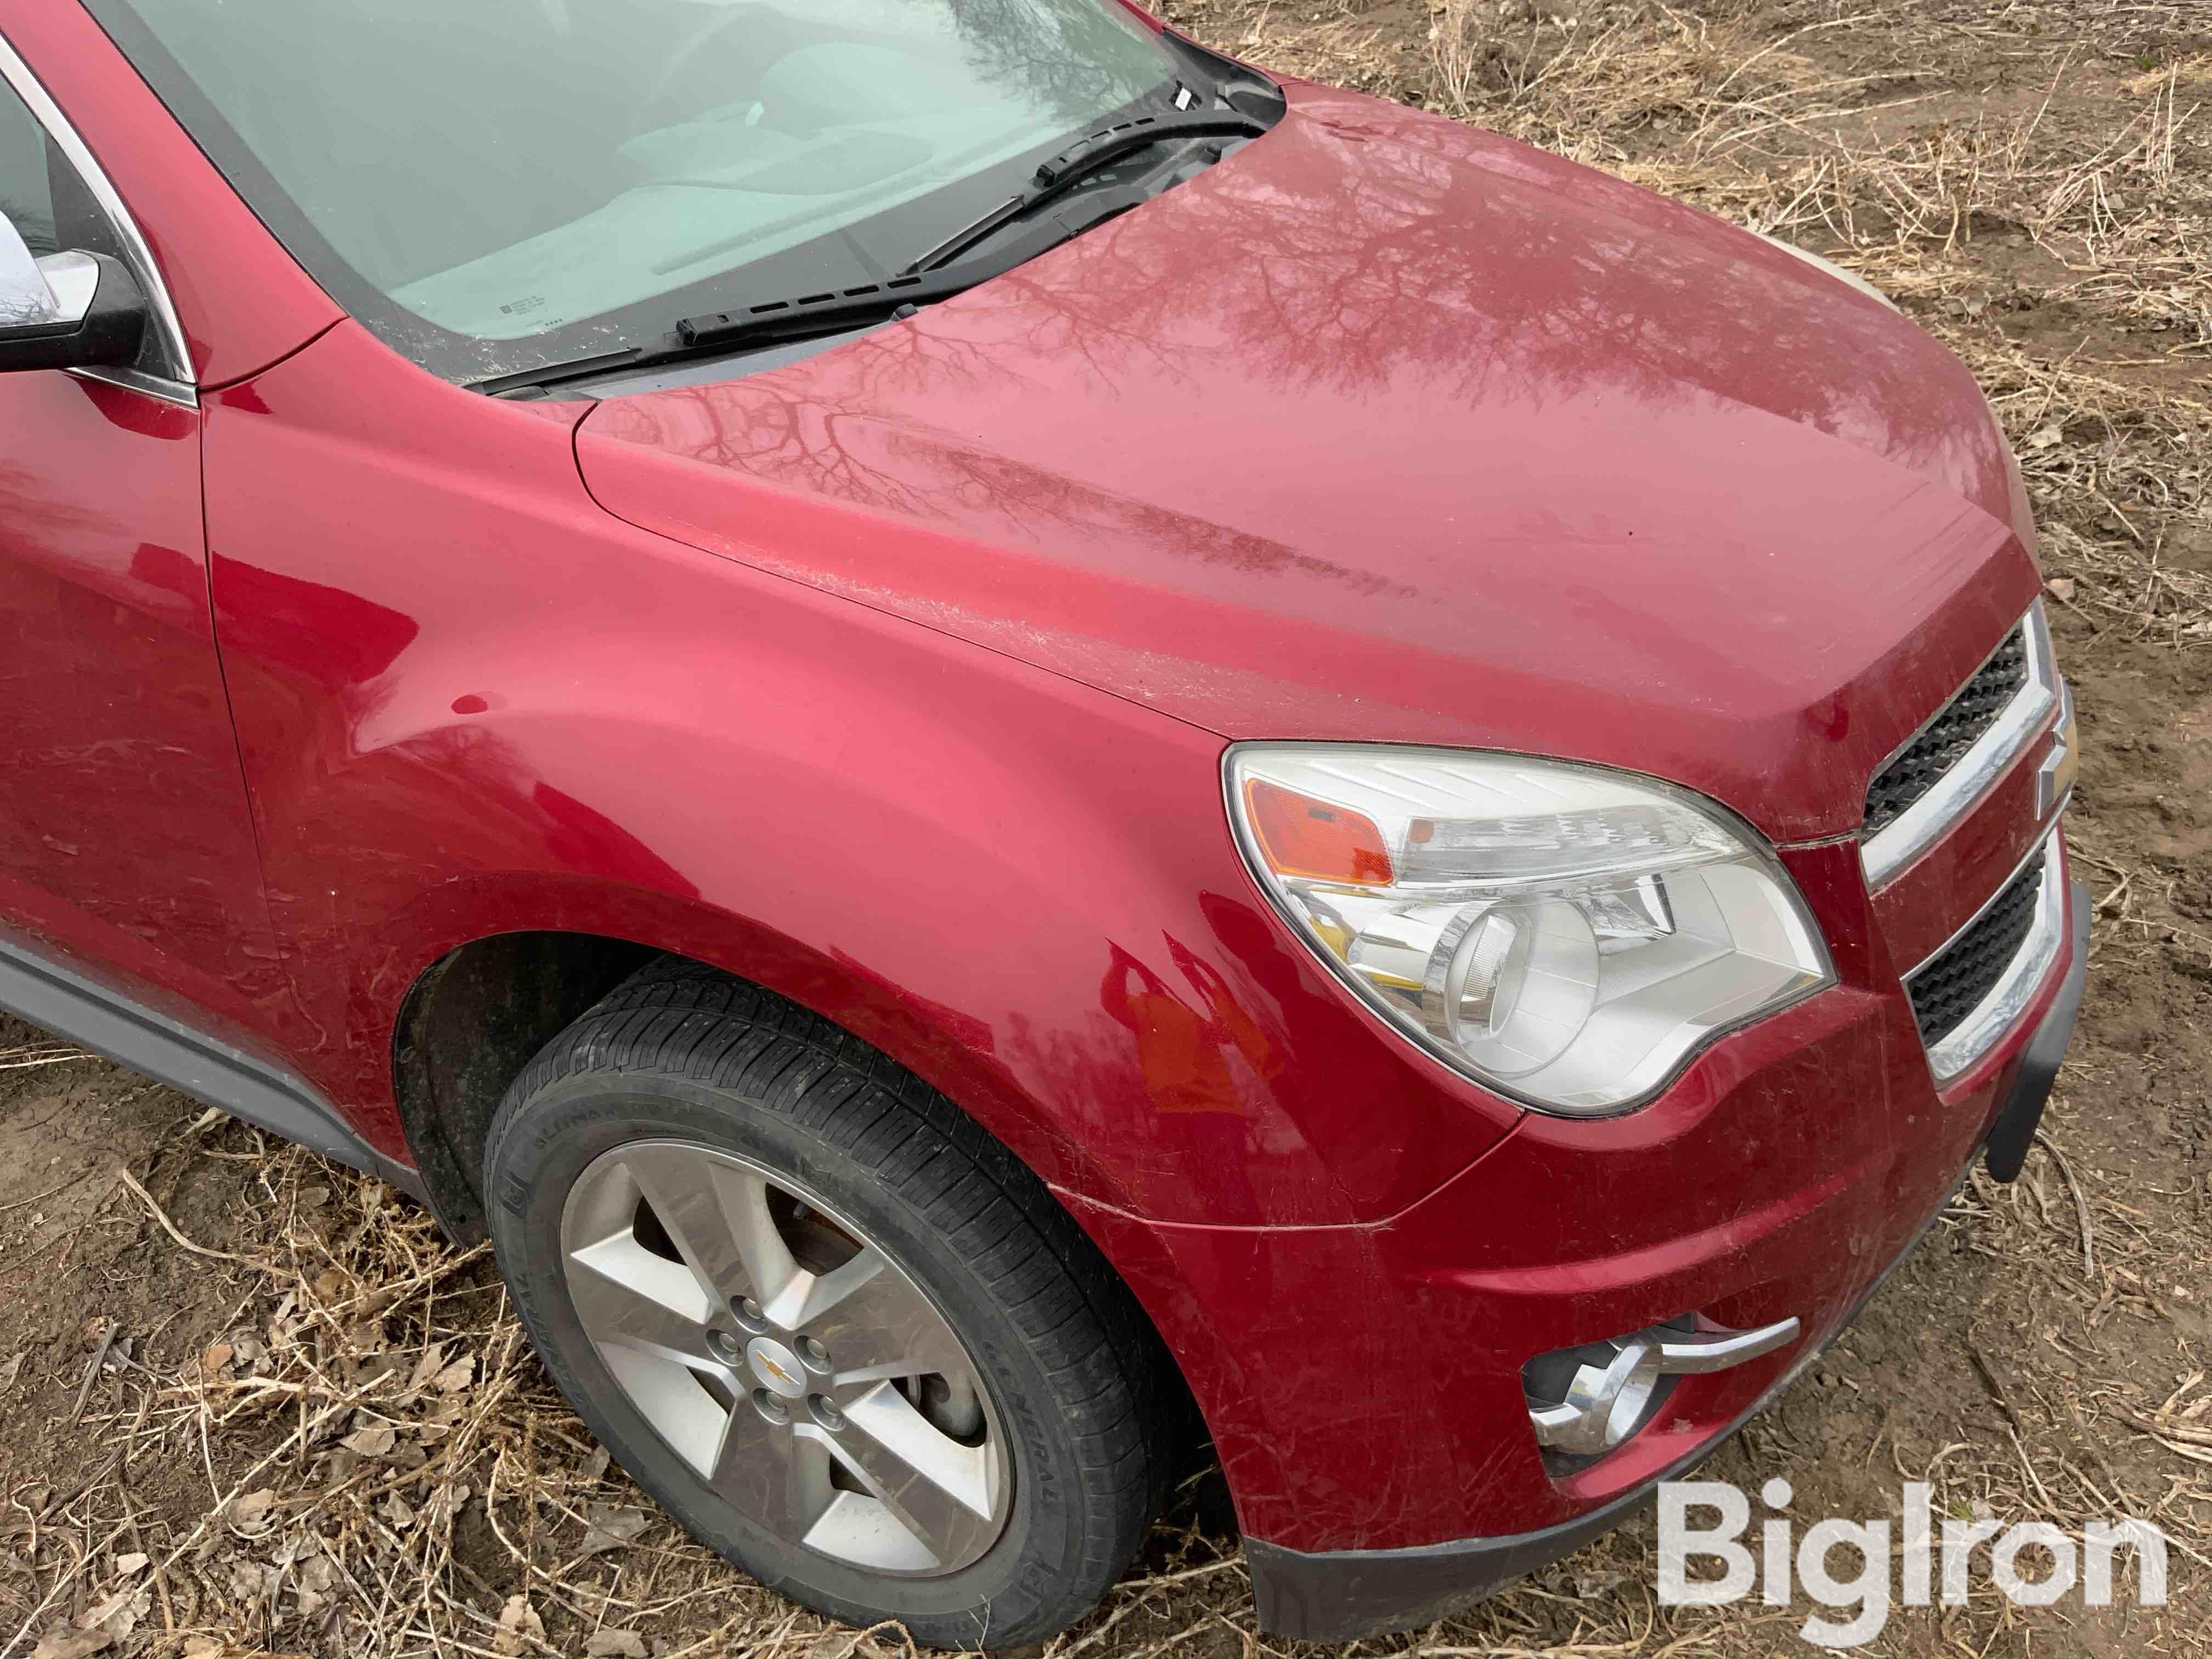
(836,310)
(936,275)
(1073,164)
(846,308)
(929,279)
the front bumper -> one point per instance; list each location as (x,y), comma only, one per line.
(1343,1595)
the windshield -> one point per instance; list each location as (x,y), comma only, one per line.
(496,184)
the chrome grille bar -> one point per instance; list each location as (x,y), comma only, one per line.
(1953,795)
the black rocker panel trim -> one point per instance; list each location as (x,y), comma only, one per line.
(97,1018)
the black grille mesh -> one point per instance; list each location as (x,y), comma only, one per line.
(1947,990)
(1949,736)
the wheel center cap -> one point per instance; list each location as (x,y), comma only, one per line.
(776,1366)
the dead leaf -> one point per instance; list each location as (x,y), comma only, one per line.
(456,1376)
(127,1564)
(445,1503)
(610,1529)
(374,1441)
(432,1362)
(607,1643)
(250,1510)
(518,1624)
(217,1357)
(10,1371)
(2061,589)
(396,1514)
(118,1615)
(73,1644)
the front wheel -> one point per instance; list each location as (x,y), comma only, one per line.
(834,1329)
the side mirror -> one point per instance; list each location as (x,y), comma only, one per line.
(66,310)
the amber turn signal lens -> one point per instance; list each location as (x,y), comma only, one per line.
(1299,835)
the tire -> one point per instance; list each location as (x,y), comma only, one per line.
(628,1171)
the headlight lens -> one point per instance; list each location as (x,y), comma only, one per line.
(1566,935)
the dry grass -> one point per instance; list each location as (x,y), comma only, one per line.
(365,1460)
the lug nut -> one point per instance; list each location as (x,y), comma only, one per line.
(826,1411)
(725,1347)
(749,1313)
(816,1356)
(771,1407)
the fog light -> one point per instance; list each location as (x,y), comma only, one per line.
(1587,1400)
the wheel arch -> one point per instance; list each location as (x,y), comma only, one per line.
(472,1021)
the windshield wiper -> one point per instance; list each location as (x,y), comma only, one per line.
(936,275)
(807,316)
(941,273)
(1071,166)
(837,310)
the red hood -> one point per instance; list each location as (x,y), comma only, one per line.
(1387,429)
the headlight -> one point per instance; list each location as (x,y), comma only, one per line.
(1565,935)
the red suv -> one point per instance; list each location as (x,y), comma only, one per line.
(999,737)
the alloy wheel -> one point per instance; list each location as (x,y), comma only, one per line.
(793,1365)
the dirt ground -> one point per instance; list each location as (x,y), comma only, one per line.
(250,1402)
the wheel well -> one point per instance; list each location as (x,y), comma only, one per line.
(470,1024)
(479,1014)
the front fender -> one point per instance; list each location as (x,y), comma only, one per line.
(470,702)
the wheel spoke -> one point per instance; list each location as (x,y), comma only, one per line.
(626,1295)
(717,1216)
(940,1491)
(776,1473)
(876,1325)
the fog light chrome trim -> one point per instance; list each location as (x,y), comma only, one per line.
(1606,1404)
(1696,1352)
(1602,1407)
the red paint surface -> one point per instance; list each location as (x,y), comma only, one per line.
(1390,425)
(124,842)
(897,680)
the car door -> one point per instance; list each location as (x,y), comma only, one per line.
(126,848)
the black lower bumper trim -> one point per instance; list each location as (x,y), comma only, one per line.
(2014,1130)
(1341,1596)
